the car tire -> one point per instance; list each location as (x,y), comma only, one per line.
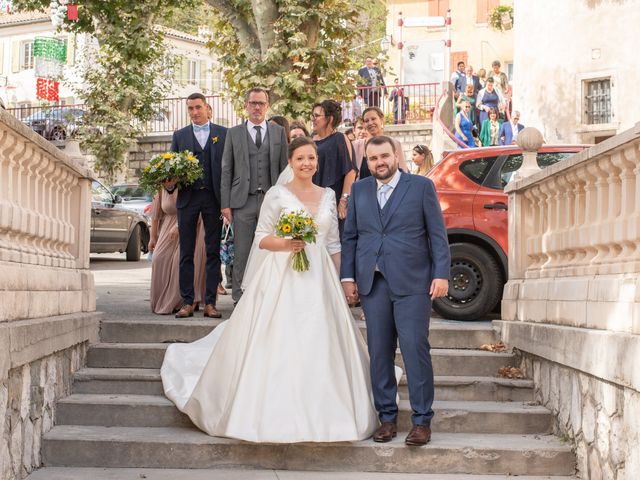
(475,286)
(134,248)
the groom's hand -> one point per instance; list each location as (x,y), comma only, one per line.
(350,291)
(439,288)
(227,215)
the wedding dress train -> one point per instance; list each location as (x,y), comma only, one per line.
(290,365)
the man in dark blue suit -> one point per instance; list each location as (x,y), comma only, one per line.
(371,79)
(509,130)
(468,79)
(206,141)
(395,257)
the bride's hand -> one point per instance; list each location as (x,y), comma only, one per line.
(296,245)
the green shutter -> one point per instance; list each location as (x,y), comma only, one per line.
(177,70)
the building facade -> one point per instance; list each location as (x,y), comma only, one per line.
(576,77)
(197,69)
(424,57)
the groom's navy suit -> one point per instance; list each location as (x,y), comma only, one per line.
(200,199)
(393,254)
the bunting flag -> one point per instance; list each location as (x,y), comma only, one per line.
(50,57)
(48,90)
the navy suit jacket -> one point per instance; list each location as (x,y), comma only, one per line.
(407,239)
(506,133)
(368,81)
(184,139)
(461,84)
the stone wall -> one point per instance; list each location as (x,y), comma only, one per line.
(146,147)
(601,418)
(572,302)
(47,295)
(27,407)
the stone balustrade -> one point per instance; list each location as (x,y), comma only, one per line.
(572,302)
(47,296)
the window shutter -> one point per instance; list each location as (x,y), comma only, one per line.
(15,57)
(1,58)
(203,74)
(184,74)
(71,50)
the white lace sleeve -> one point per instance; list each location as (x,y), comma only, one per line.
(333,236)
(269,214)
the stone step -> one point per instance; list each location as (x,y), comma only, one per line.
(144,381)
(443,333)
(64,473)
(158,411)
(129,447)
(445,361)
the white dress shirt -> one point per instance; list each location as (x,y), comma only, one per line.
(202,135)
(252,130)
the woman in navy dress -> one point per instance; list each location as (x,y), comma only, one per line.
(463,125)
(489,98)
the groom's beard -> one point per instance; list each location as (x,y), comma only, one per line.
(385,173)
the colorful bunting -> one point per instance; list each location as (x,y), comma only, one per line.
(50,48)
(48,90)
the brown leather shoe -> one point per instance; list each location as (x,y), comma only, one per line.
(185,311)
(418,436)
(385,432)
(221,290)
(211,312)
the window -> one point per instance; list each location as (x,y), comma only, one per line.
(477,169)
(438,8)
(513,163)
(100,194)
(26,56)
(484,8)
(597,100)
(192,74)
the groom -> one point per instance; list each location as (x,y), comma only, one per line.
(395,256)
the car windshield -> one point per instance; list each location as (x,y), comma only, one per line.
(514,162)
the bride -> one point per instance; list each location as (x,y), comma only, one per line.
(289,365)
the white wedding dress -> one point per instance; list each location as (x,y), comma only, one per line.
(290,365)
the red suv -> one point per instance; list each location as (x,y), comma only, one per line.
(470,185)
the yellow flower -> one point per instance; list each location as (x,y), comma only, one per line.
(191,158)
(286,228)
(308,221)
(167,155)
(215,139)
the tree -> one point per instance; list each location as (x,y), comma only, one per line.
(125,76)
(299,49)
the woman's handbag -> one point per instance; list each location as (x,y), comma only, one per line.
(226,245)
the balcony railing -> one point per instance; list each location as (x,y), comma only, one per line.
(411,103)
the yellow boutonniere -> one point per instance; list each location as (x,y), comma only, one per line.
(215,139)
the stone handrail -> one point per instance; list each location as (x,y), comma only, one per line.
(44,205)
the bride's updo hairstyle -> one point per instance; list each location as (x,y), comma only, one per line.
(296,143)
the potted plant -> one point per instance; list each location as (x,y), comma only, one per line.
(501,18)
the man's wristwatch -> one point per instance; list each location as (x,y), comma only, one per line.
(345,196)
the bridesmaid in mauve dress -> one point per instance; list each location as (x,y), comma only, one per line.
(165,264)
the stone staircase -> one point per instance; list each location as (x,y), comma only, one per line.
(118,417)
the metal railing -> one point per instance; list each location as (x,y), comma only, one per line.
(408,103)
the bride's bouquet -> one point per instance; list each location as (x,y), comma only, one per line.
(182,167)
(299,226)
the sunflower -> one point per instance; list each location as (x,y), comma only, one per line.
(286,228)
(167,155)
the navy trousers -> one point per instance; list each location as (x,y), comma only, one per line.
(391,318)
(200,203)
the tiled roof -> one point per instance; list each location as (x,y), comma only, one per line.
(24,17)
(185,36)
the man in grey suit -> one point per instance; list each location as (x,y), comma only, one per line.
(255,153)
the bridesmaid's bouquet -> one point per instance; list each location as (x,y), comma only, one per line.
(299,226)
(182,167)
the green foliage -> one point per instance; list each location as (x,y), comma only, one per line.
(301,50)
(496,15)
(124,75)
(182,167)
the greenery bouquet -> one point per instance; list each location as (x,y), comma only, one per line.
(299,226)
(182,167)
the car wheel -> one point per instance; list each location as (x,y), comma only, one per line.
(133,246)
(475,285)
(58,134)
